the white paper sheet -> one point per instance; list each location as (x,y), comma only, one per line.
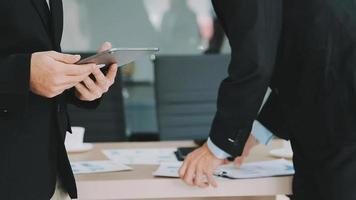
(168,170)
(88,167)
(141,156)
(271,168)
(279,167)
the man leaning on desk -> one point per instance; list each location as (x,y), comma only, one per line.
(36,84)
(305,50)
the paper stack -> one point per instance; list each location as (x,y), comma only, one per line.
(141,156)
(272,168)
(88,167)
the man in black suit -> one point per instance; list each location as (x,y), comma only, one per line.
(305,51)
(36,84)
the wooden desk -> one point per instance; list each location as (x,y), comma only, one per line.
(140,184)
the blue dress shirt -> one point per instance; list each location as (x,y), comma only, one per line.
(261,133)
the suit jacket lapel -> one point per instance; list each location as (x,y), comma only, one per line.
(57,22)
(42,11)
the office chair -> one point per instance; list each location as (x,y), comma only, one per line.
(186,92)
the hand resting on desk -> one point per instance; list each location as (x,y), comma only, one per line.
(199,166)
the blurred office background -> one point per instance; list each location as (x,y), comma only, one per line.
(184,92)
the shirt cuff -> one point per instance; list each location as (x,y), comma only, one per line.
(261,133)
(219,153)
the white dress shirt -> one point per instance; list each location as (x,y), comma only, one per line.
(48,4)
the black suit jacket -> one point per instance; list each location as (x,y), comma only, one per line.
(305,51)
(32,128)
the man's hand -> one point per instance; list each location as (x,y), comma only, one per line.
(199,166)
(251,142)
(90,90)
(52,73)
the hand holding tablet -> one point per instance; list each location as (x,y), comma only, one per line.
(120,56)
(102,78)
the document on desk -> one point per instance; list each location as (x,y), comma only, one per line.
(168,170)
(100,166)
(262,169)
(272,168)
(141,156)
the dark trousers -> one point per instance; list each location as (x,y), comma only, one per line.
(330,174)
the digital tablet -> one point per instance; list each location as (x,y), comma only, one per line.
(120,56)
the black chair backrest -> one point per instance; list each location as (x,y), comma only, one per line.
(107,122)
(186,94)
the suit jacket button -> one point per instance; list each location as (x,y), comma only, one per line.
(5,111)
(276,91)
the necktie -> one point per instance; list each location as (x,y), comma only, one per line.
(56,21)
(56,5)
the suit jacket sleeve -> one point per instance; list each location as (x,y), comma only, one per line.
(273,117)
(253,29)
(14,82)
(72,99)
(15,85)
